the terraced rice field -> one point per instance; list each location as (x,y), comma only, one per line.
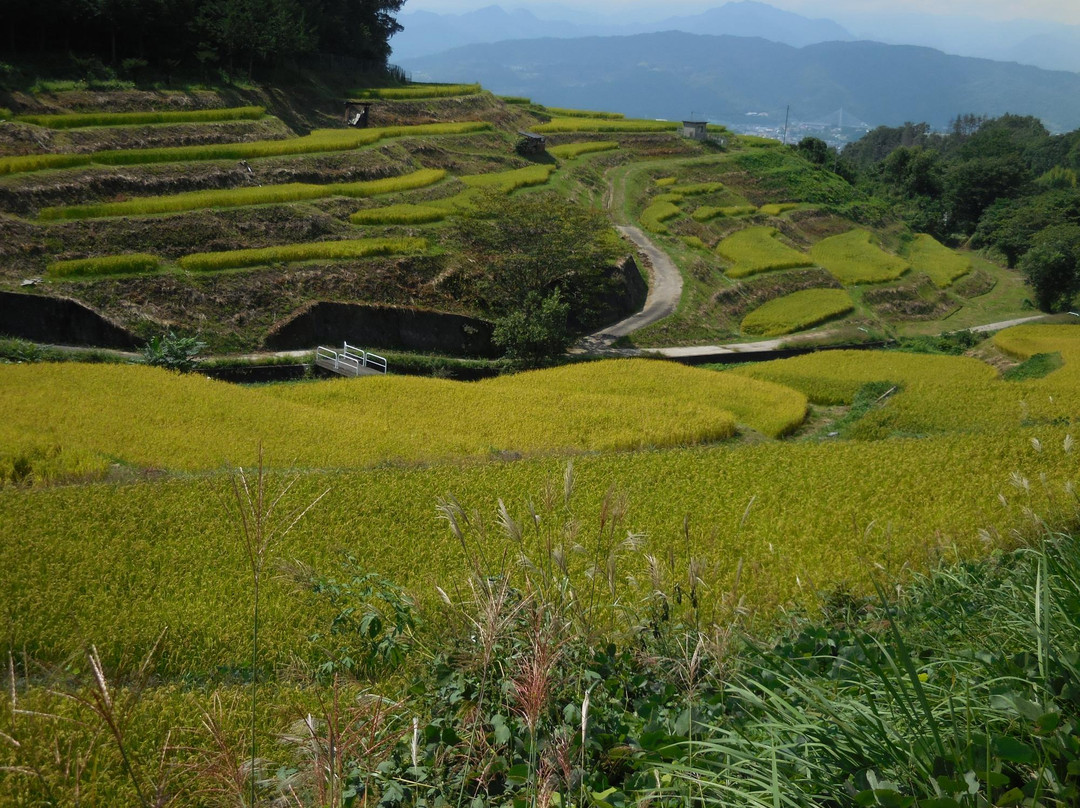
(797,311)
(853,258)
(759,249)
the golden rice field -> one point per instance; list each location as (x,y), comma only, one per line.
(564,112)
(759,249)
(507,181)
(776,208)
(399,214)
(654,216)
(938,262)
(305,251)
(695,188)
(417,91)
(569,151)
(251,195)
(320,140)
(797,311)
(75,120)
(971,457)
(576,124)
(853,258)
(146,417)
(707,212)
(128,264)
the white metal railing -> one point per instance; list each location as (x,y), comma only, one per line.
(349,361)
(366,358)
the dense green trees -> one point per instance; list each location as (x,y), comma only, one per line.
(1052,266)
(164,33)
(995,183)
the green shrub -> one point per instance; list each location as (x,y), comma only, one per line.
(308,251)
(238,197)
(130,264)
(173,352)
(517,100)
(80,119)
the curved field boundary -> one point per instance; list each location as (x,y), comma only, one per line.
(240,197)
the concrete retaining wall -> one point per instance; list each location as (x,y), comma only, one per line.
(61,321)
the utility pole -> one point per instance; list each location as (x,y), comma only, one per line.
(787,112)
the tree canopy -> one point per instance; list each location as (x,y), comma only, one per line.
(171,32)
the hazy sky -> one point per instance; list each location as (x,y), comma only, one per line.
(1062,11)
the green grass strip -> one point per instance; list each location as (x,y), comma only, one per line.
(76,120)
(399,214)
(239,197)
(568,151)
(131,264)
(416,91)
(321,140)
(309,251)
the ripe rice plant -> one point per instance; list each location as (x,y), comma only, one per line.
(41,162)
(557,125)
(80,119)
(664,181)
(417,91)
(777,208)
(563,112)
(934,259)
(797,311)
(568,151)
(853,258)
(308,251)
(238,197)
(129,264)
(695,188)
(399,214)
(507,181)
(320,140)
(707,212)
(758,249)
(399,417)
(654,216)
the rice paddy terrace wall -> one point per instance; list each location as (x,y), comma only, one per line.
(60,320)
(383,327)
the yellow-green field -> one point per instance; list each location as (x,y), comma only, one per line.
(190,423)
(938,262)
(507,181)
(759,249)
(399,214)
(949,462)
(418,91)
(568,151)
(239,197)
(654,216)
(576,124)
(129,264)
(75,120)
(853,258)
(797,311)
(305,251)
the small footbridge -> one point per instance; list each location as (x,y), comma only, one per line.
(350,361)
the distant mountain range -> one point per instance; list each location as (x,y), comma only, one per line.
(673,75)
(1039,43)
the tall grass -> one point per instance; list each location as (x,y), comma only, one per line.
(76,120)
(128,264)
(418,91)
(321,140)
(238,197)
(309,251)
